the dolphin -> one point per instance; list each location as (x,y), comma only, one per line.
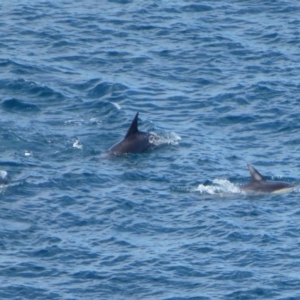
(259,184)
(135,141)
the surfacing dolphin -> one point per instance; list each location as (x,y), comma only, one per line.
(259,184)
(135,141)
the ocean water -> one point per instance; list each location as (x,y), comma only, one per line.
(217,81)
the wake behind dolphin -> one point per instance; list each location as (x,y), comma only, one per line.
(259,184)
(135,141)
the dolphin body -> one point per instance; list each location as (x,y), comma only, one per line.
(135,141)
(259,184)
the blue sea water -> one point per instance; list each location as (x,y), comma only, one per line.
(217,81)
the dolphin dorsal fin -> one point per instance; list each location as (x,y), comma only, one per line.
(133,127)
(255,175)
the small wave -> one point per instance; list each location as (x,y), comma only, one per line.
(218,186)
(104,89)
(15,105)
(13,225)
(19,68)
(21,87)
(116,105)
(196,8)
(85,85)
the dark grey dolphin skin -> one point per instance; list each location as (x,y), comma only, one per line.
(135,141)
(259,184)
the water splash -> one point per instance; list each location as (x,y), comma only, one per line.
(4,178)
(219,186)
(169,139)
(77,144)
(27,153)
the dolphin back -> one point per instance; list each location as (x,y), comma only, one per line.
(259,184)
(255,175)
(135,141)
(133,129)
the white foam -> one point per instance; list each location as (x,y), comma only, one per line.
(74,122)
(27,153)
(218,186)
(3,180)
(3,174)
(169,139)
(77,144)
(93,120)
